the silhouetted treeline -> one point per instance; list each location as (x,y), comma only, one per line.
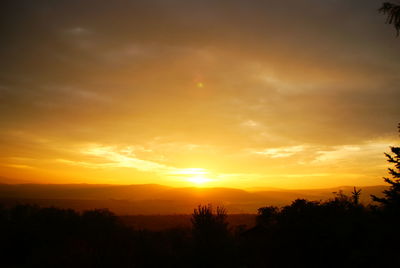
(335,233)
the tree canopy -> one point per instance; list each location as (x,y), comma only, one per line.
(392,195)
(392,11)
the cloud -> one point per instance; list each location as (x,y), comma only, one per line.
(281,152)
(287,79)
(350,152)
(121,159)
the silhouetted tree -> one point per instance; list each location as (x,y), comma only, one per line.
(211,237)
(356,196)
(392,195)
(393,14)
(207,223)
(267,215)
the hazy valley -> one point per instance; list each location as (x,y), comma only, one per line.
(153,199)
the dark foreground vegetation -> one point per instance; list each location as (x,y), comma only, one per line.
(336,233)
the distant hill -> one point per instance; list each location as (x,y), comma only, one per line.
(153,199)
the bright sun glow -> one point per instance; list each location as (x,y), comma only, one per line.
(199,179)
(196,176)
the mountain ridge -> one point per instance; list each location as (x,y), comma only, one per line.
(160,199)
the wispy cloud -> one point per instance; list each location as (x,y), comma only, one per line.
(350,152)
(123,158)
(281,152)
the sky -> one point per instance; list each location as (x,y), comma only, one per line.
(255,93)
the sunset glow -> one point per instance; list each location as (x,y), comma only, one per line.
(199,179)
(237,94)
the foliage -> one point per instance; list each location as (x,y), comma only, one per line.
(392,195)
(313,232)
(205,221)
(332,233)
(267,215)
(392,11)
(356,196)
(211,236)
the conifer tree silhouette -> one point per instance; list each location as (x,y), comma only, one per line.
(392,195)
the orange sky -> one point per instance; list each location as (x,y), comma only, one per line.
(289,94)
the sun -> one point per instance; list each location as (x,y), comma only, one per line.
(197,176)
(199,179)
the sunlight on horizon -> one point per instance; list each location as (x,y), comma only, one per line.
(199,180)
(196,176)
